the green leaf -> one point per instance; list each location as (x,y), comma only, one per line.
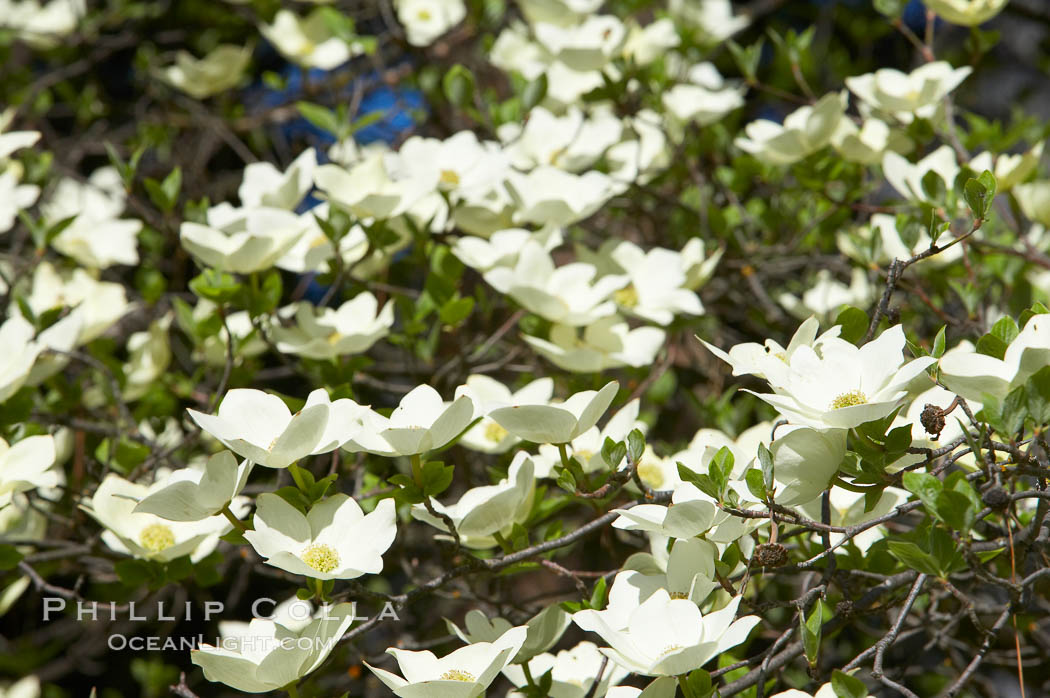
(165,194)
(9,557)
(456,310)
(217,286)
(613,452)
(938,344)
(854,322)
(635,446)
(1005,329)
(135,573)
(458,85)
(747,59)
(1037,395)
(933,186)
(765,458)
(810,629)
(566,481)
(535,92)
(703,482)
(912,556)
(322,118)
(756,484)
(598,594)
(846,686)
(990,345)
(437,477)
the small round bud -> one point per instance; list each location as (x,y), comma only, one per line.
(844,608)
(932,419)
(996,498)
(770,555)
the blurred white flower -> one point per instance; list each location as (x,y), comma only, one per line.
(907,178)
(705,99)
(907,95)
(551,196)
(826,296)
(149,355)
(714,18)
(14,198)
(869,143)
(203,77)
(607,343)
(543,630)
(18,352)
(589,45)
(25,466)
(973,375)
(968,13)
(567,295)
(502,248)
(308,41)
(426,20)
(101,303)
(96,238)
(572,141)
(587,447)
(804,131)
(573,672)
(325,333)
(265,185)
(1008,169)
(242,240)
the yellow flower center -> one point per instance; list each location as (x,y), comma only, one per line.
(424,15)
(321,557)
(584,456)
(156,537)
(678,595)
(449,178)
(651,474)
(850,399)
(626,297)
(334,338)
(782,355)
(457,675)
(668,650)
(495,433)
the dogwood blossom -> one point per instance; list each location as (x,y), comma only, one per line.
(421,422)
(308,41)
(487,436)
(907,95)
(568,294)
(607,343)
(804,131)
(259,426)
(465,673)
(18,351)
(26,466)
(193,494)
(587,447)
(242,240)
(147,536)
(669,636)
(269,655)
(483,512)
(845,386)
(335,540)
(96,238)
(265,185)
(426,20)
(973,375)
(826,296)
(557,423)
(968,13)
(543,630)
(907,178)
(573,672)
(216,72)
(324,333)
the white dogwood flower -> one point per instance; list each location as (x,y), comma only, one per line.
(203,77)
(325,333)
(147,536)
(845,386)
(193,494)
(97,238)
(669,636)
(482,512)
(907,95)
(804,131)
(551,196)
(465,673)
(308,41)
(421,422)
(18,352)
(607,343)
(336,540)
(242,240)
(259,426)
(26,465)
(265,185)
(568,294)
(557,423)
(268,656)
(968,13)
(543,630)
(426,20)
(973,375)
(907,178)
(487,436)
(587,447)
(573,672)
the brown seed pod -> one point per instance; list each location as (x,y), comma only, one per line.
(932,419)
(770,555)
